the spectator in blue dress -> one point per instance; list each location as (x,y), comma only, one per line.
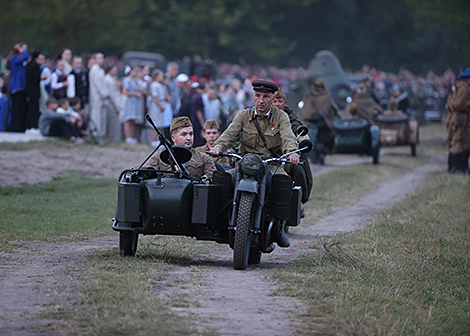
(132,114)
(16,62)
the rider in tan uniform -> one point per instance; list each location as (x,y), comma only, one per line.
(266,131)
(273,124)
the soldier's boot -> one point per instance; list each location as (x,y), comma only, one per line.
(282,239)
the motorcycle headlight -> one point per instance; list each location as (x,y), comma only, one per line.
(251,164)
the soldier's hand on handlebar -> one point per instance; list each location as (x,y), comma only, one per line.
(216,151)
(293,159)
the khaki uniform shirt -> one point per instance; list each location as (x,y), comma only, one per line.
(367,105)
(321,98)
(200,164)
(275,127)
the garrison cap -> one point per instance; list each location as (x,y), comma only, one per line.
(180,122)
(280,94)
(211,124)
(264,86)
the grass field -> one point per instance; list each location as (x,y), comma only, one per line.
(68,208)
(407,274)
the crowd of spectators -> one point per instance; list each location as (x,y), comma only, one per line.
(101,94)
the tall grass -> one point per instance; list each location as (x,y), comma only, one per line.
(407,274)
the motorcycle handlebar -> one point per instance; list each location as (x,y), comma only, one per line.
(282,159)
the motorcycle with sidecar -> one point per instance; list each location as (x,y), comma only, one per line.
(246,209)
(399,132)
(344,136)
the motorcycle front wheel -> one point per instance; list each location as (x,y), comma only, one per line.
(243,236)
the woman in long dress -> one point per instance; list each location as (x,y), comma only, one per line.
(157,103)
(132,114)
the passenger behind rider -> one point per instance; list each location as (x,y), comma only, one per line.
(211,133)
(351,111)
(301,174)
(182,134)
(266,131)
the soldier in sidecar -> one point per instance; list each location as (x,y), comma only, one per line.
(398,129)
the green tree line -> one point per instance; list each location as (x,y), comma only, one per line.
(417,35)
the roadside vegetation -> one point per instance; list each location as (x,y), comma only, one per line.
(68,208)
(54,142)
(406,274)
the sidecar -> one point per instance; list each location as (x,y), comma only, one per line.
(357,136)
(399,132)
(161,202)
(154,202)
(347,136)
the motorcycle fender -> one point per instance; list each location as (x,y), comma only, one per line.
(248,185)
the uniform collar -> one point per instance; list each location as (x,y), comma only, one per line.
(254,114)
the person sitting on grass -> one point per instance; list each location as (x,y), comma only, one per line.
(77,109)
(55,124)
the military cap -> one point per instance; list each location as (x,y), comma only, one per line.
(211,124)
(280,94)
(464,74)
(264,86)
(180,122)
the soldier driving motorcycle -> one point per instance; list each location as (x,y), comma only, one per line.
(266,131)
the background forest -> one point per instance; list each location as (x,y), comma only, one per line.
(417,35)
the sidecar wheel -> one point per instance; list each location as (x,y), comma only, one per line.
(254,257)
(128,243)
(243,236)
(413,149)
(375,157)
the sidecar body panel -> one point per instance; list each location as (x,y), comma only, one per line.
(206,204)
(353,136)
(166,206)
(128,206)
(399,132)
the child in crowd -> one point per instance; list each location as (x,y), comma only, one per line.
(53,123)
(77,109)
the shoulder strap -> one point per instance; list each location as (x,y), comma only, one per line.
(255,122)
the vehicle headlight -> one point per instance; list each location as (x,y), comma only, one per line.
(251,164)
